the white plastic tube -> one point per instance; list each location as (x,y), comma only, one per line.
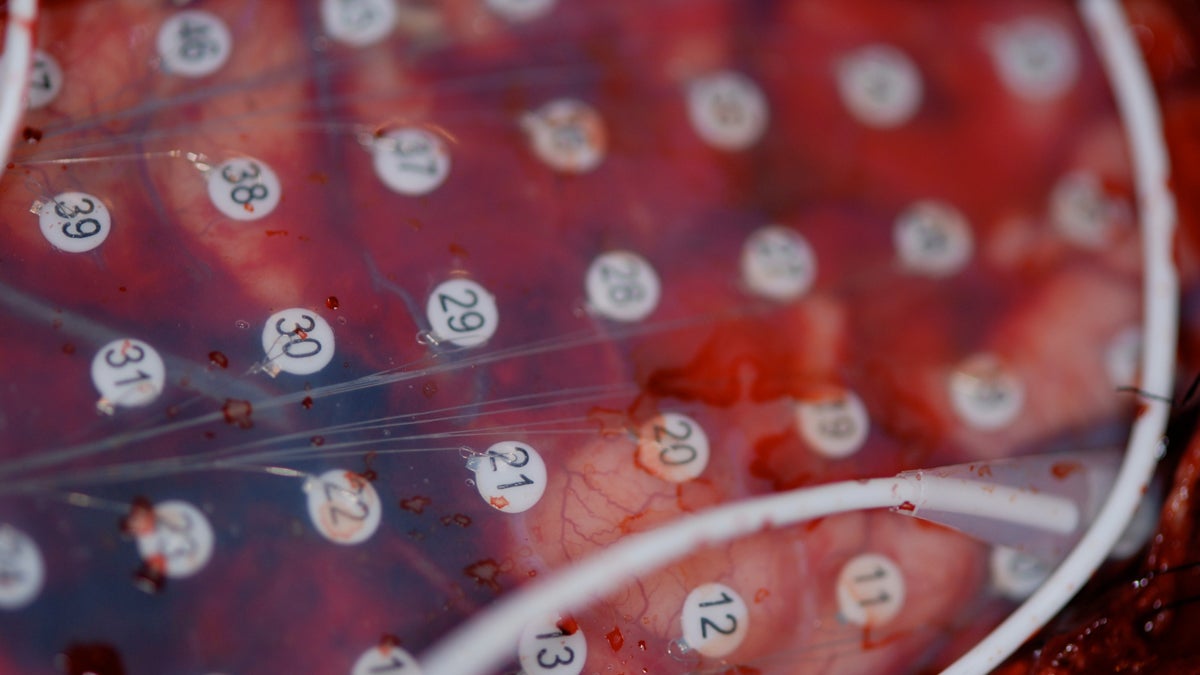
(14,71)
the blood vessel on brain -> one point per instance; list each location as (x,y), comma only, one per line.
(559,371)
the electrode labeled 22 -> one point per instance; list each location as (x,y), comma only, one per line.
(510,476)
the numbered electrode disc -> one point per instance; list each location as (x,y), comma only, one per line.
(933,239)
(344,506)
(1015,574)
(880,86)
(1082,213)
(715,620)
(567,135)
(673,447)
(297,341)
(244,188)
(181,542)
(128,372)
(510,476)
(75,222)
(385,660)
(462,313)
(985,394)
(22,570)
(727,110)
(194,43)
(835,427)
(520,10)
(45,80)
(410,161)
(546,648)
(870,590)
(778,263)
(358,23)
(1035,58)
(622,286)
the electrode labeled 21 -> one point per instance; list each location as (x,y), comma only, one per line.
(510,476)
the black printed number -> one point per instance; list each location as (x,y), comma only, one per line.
(416,156)
(336,495)
(10,548)
(82,228)
(247,188)
(466,322)
(300,344)
(518,461)
(175,537)
(118,359)
(567,657)
(836,421)
(622,283)
(196,44)
(675,452)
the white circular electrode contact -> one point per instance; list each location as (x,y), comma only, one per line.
(462,312)
(622,286)
(567,135)
(343,506)
(244,188)
(510,476)
(1016,575)
(385,660)
(833,427)
(297,341)
(194,43)
(985,394)
(75,222)
(22,570)
(870,590)
(45,80)
(715,620)
(1082,213)
(880,86)
(548,647)
(358,23)
(778,263)
(932,239)
(728,110)
(1036,58)
(673,447)
(128,373)
(181,542)
(410,161)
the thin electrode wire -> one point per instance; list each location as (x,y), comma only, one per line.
(485,640)
(14,73)
(1110,32)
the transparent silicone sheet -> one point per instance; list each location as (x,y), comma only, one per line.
(330,324)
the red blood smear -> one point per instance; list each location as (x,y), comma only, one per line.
(615,639)
(1061,470)
(238,412)
(332,302)
(761,594)
(151,577)
(276,233)
(32,135)
(93,659)
(388,641)
(68,349)
(307,403)
(317,441)
(568,625)
(458,250)
(415,504)
(429,389)
(218,359)
(484,573)
(908,506)
(140,519)
(457,519)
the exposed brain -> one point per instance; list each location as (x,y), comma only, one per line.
(329,324)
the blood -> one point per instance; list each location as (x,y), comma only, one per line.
(238,413)
(615,639)
(218,359)
(32,135)
(415,504)
(1061,470)
(91,659)
(485,573)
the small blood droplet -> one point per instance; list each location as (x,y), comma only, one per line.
(615,639)
(415,504)
(457,519)
(97,659)
(68,349)
(908,506)
(32,135)
(151,578)
(761,594)
(317,441)
(1061,470)
(218,359)
(238,412)
(122,289)
(332,302)
(568,625)
(276,233)
(458,250)
(429,389)
(140,520)
(307,403)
